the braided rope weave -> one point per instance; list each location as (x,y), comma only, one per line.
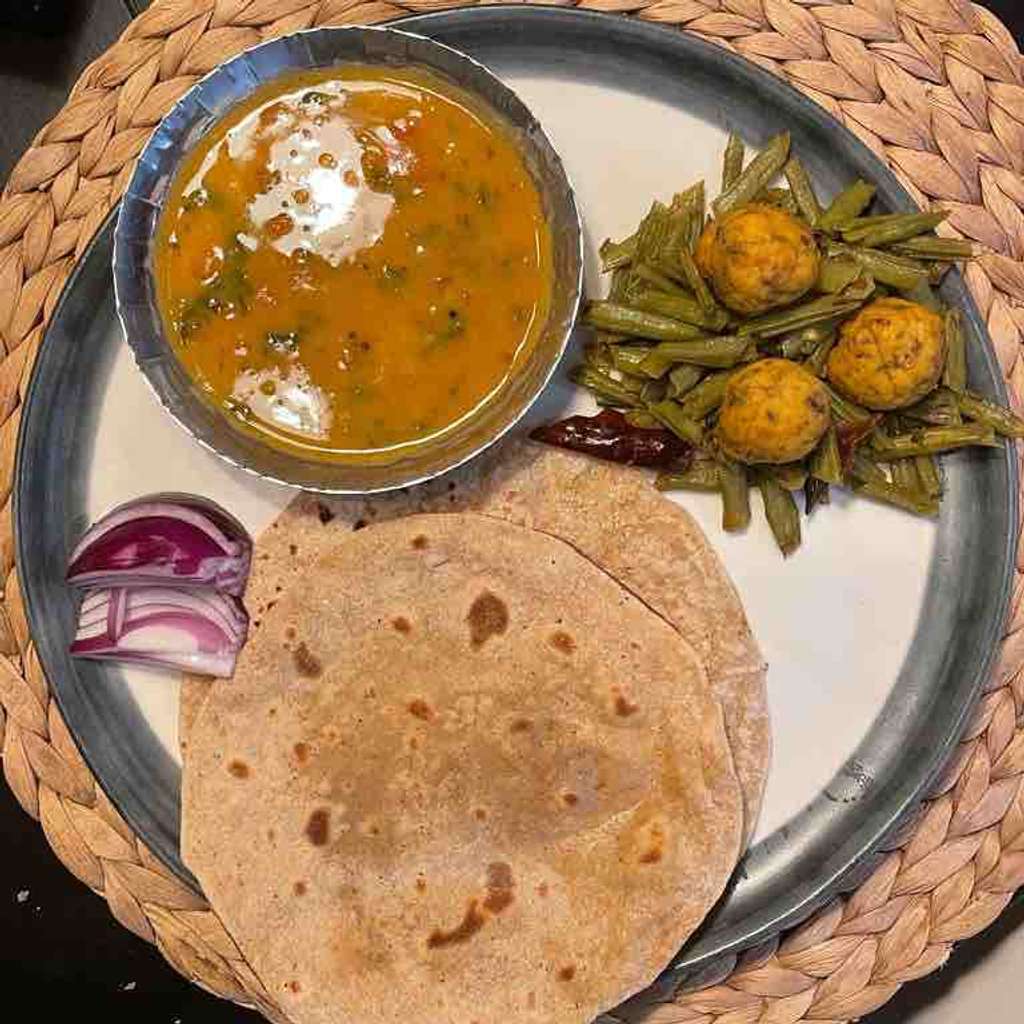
(936,88)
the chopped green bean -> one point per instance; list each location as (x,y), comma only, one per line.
(621,279)
(683,378)
(917,502)
(770,325)
(642,418)
(617,254)
(720,353)
(735,489)
(691,203)
(939,408)
(653,233)
(804,341)
(732,162)
(757,175)
(610,316)
(929,248)
(850,203)
(802,189)
(780,197)
(928,475)
(825,461)
(672,416)
(599,357)
(901,227)
(896,271)
(653,391)
(954,376)
(865,470)
(621,392)
(904,474)
(680,306)
(651,274)
(697,283)
(791,475)
(843,408)
(1001,420)
(933,440)
(707,395)
(627,358)
(817,360)
(655,365)
(701,476)
(837,272)
(781,512)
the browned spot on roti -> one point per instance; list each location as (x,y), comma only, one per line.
(413,743)
(571,799)
(239,769)
(272,713)
(499,887)
(271,834)
(306,662)
(421,884)
(521,725)
(531,999)
(301,752)
(318,827)
(562,641)
(359,524)
(293,986)
(402,624)
(325,514)
(293,549)
(289,633)
(472,921)
(657,844)
(567,973)
(480,814)
(420,542)
(420,709)
(623,707)
(488,616)
(299,888)
(542,889)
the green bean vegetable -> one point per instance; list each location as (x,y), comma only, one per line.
(667,350)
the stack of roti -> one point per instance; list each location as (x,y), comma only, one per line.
(491,753)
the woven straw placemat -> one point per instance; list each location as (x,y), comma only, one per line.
(936,88)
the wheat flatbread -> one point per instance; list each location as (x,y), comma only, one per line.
(463,773)
(611,515)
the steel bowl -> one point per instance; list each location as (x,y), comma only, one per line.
(204,105)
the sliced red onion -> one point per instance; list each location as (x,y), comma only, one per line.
(179,539)
(191,630)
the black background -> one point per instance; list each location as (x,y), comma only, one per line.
(60,950)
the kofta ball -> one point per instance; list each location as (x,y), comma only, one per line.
(758,257)
(889,355)
(774,411)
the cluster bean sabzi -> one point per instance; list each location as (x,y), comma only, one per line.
(876,386)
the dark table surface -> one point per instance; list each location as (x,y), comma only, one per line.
(59,946)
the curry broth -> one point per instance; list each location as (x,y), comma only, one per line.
(354,261)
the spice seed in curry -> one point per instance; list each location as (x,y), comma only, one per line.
(354,261)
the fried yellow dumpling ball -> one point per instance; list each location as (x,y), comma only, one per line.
(774,411)
(758,257)
(889,355)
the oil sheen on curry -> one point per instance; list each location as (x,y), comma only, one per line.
(354,262)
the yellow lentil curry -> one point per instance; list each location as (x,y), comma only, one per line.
(354,261)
